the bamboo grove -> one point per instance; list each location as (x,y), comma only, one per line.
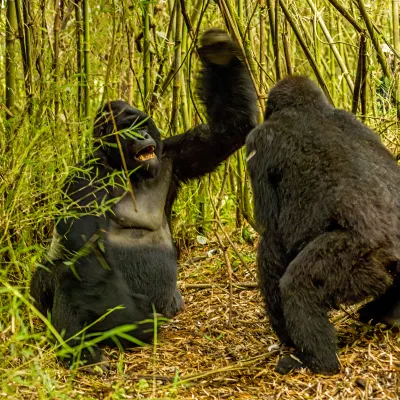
(62,59)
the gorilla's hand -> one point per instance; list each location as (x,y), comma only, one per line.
(217,47)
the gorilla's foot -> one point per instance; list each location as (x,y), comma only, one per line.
(287,364)
(88,358)
(217,47)
(328,366)
(370,314)
(384,310)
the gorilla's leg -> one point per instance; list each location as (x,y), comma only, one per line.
(385,308)
(83,300)
(66,320)
(178,304)
(334,268)
(271,268)
(42,287)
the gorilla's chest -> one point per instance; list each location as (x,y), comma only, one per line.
(141,221)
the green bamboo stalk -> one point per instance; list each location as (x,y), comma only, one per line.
(111,56)
(11,29)
(271,17)
(240,7)
(201,215)
(396,44)
(333,47)
(158,84)
(40,59)
(363,90)
(239,189)
(146,53)
(342,91)
(184,99)
(381,57)
(310,43)
(237,30)
(55,66)
(331,62)
(131,55)
(79,55)
(286,48)
(177,68)
(22,41)
(262,54)
(346,15)
(86,58)
(276,42)
(305,49)
(28,27)
(239,164)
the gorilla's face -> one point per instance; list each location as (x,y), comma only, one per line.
(122,127)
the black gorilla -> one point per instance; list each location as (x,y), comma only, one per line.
(327,200)
(126,256)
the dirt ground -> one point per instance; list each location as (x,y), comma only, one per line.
(200,355)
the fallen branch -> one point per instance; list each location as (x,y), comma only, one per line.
(243,286)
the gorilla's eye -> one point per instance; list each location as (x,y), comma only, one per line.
(145,154)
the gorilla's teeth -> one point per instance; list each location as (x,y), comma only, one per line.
(147,156)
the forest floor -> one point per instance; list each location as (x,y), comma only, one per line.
(199,355)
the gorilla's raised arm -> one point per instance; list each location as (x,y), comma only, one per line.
(228,93)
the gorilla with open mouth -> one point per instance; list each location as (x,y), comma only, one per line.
(117,249)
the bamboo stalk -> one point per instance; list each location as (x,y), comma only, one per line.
(262,54)
(305,50)
(11,28)
(346,15)
(158,86)
(276,42)
(131,55)
(286,48)
(333,47)
(359,74)
(56,30)
(375,42)
(86,58)
(79,56)
(177,68)
(271,17)
(146,53)
(363,90)
(239,189)
(28,26)
(111,55)
(24,52)
(184,101)
(396,44)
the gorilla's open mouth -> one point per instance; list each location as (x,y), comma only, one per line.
(145,154)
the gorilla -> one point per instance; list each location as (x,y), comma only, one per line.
(327,202)
(117,248)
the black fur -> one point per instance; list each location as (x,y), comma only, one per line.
(327,200)
(126,256)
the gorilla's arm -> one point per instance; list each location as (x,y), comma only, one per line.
(229,96)
(86,194)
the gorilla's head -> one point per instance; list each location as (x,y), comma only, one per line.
(295,92)
(138,135)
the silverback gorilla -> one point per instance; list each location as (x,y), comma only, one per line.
(126,256)
(327,201)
